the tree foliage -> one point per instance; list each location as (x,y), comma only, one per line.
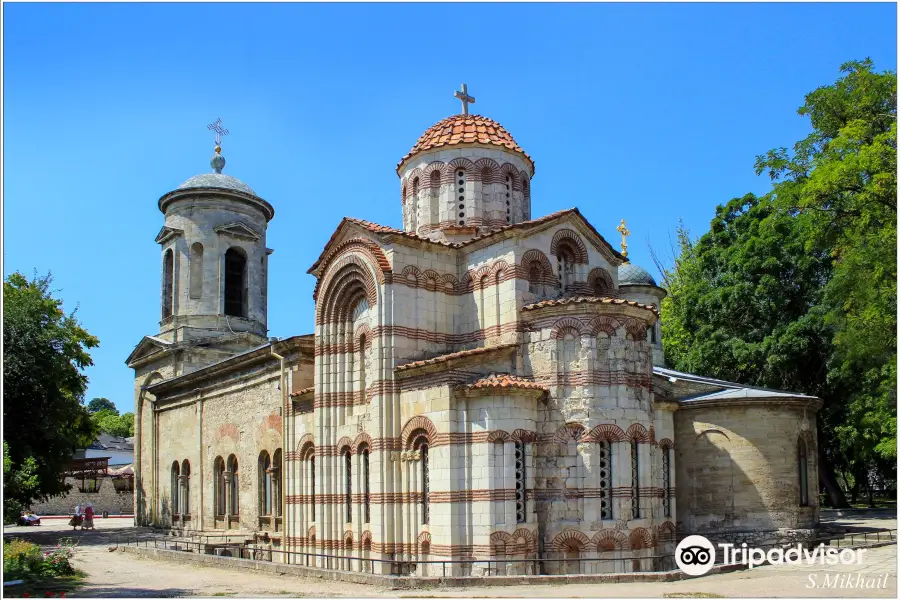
(98,404)
(797,289)
(111,422)
(45,353)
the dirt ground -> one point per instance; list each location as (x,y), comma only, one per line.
(116,574)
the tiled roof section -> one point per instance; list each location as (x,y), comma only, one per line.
(465,129)
(453,355)
(303,391)
(587,300)
(505,380)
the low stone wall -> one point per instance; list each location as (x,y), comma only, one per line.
(407,582)
(105,498)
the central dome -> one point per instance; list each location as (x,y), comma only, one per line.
(465,129)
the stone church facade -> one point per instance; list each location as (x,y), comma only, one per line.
(480,385)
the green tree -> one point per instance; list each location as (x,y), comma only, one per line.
(18,482)
(45,352)
(98,404)
(797,289)
(843,179)
(111,422)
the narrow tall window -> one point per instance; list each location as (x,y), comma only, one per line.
(461,195)
(176,489)
(604,463)
(535,277)
(312,488)
(186,487)
(803,473)
(422,446)
(416,187)
(265,472)
(235,495)
(196,270)
(667,474)
(348,485)
(219,483)
(277,483)
(509,186)
(235,283)
(521,514)
(168,286)
(635,482)
(566,268)
(362,368)
(365,466)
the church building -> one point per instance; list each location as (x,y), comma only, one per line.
(483,386)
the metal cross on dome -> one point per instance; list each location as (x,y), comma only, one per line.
(465,97)
(625,233)
(217,127)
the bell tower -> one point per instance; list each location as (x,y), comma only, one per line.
(214,259)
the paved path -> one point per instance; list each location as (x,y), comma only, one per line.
(116,574)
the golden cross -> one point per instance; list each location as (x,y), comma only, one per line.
(625,233)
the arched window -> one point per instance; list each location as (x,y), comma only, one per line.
(435,180)
(185,487)
(421,444)
(176,488)
(461,194)
(365,481)
(635,482)
(802,472)
(235,283)
(348,485)
(604,463)
(168,286)
(235,496)
(196,270)
(566,262)
(535,278)
(265,481)
(416,187)
(600,288)
(219,486)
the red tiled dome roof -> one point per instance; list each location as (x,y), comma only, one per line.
(465,129)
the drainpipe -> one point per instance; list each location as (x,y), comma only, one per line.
(284,447)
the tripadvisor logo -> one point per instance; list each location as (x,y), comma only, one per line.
(696,555)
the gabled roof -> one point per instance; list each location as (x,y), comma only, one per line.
(237,230)
(505,380)
(167,233)
(148,346)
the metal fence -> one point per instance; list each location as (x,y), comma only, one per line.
(235,547)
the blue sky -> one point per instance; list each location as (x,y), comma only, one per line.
(645,112)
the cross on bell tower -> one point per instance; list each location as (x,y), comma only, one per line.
(466,99)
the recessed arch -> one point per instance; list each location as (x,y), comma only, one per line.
(570,239)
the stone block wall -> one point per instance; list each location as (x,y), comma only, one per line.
(740,470)
(106,498)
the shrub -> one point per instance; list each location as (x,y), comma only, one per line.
(21,558)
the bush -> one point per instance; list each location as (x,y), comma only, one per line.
(24,560)
(21,559)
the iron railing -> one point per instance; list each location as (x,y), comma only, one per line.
(200,543)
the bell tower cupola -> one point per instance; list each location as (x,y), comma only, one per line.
(214,257)
(464,176)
